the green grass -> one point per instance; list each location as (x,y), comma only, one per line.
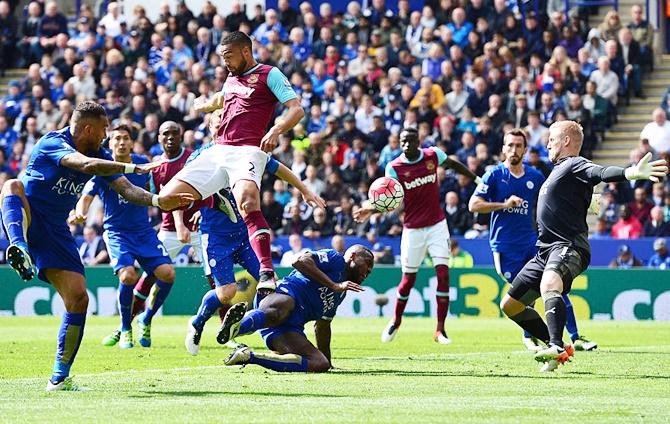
(483,376)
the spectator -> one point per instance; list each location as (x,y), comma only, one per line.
(661,259)
(312,181)
(607,82)
(656,226)
(609,28)
(319,226)
(295,242)
(643,33)
(627,227)
(337,243)
(458,218)
(93,250)
(641,206)
(625,259)
(113,20)
(658,132)
(459,258)
(272,210)
(383,254)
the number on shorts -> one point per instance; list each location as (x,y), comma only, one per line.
(162,249)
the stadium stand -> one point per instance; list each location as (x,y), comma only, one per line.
(461,75)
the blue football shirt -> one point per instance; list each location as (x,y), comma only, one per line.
(512,229)
(313,299)
(120,214)
(51,188)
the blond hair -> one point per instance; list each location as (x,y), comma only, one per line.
(572,130)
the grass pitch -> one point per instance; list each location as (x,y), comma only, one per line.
(484,376)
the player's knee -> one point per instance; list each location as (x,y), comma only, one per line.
(76,302)
(13,186)
(165,273)
(318,364)
(274,315)
(128,276)
(226,293)
(509,306)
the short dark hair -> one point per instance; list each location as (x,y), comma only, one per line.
(122,127)
(89,110)
(238,38)
(517,132)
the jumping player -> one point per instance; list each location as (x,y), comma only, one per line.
(128,234)
(564,250)
(248,99)
(35,210)
(224,244)
(509,192)
(311,292)
(425,226)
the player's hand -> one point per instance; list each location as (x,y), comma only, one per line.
(168,202)
(195,220)
(270,140)
(183,234)
(513,202)
(646,170)
(145,168)
(314,200)
(361,214)
(76,218)
(347,286)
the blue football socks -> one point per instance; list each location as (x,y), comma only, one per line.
(12,218)
(69,338)
(253,321)
(281,363)
(157,298)
(125,305)
(210,304)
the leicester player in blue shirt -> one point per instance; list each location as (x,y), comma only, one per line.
(510,191)
(311,292)
(129,237)
(35,210)
(225,242)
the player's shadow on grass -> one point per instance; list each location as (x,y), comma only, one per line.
(406,373)
(203,393)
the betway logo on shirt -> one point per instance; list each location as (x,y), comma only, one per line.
(239,89)
(66,186)
(419,181)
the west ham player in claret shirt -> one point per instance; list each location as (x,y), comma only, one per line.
(425,225)
(248,99)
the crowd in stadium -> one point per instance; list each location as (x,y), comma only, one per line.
(462,76)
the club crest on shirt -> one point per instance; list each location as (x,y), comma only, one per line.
(530,185)
(430,166)
(253,79)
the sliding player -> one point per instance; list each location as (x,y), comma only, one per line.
(224,244)
(35,210)
(311,292)
(509,192)
(425,225)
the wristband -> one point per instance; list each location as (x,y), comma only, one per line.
(129,168)
(154,200)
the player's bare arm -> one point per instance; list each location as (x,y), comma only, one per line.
(306,265)
(292,116)
(322,333)
(287,175)
(207,105)
(461,169)
(140,196)
(80,212)
(183,233)
(102,167)
(480,205)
